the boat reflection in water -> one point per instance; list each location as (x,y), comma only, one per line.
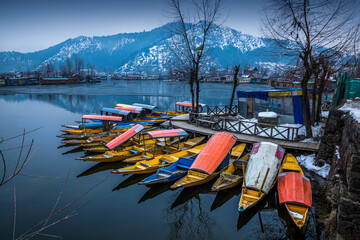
(188,217)
(100,167)
(133,179)
(223,196)
(155,190)
(188,193)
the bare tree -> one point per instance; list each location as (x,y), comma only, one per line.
(69,67)
(79,64)
(21,160)
(306,29)
(194,22)
(236,72)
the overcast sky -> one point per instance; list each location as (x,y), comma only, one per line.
(30,25)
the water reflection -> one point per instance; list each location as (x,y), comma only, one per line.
(133,179)
(155,191)
(100,167)
(223,196)
(191,192)
(190,219)
(90,98)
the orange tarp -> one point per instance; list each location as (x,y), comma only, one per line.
(214,152)
(294,188)
(168,133)
(125,136)
(185,104)
(102,117)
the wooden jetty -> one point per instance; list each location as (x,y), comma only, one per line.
(182,121)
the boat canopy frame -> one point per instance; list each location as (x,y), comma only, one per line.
(176,134)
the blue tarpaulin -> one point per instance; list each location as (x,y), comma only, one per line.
(264,95)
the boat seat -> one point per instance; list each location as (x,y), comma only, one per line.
(165,171)
(251,196)
(134,151)
(230,177)
(163,175)
(144,164)
(165,160)
(189,144)
(193,151)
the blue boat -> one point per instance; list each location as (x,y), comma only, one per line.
(171,173)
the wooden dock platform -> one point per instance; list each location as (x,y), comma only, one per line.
(182,122)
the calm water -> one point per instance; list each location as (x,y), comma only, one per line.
(118,208)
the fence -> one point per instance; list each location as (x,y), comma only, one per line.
(218,123)
(222,110)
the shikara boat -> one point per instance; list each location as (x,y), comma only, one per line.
(210,162)
(231,176)
(294,190)
(91,141)
(261,173)
(147,145)
(150,166)
(175,171)
(107,123)
(165,147)
(185,107)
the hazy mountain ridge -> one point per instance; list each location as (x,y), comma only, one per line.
(141,51)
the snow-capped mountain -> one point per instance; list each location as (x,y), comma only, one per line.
(142,51)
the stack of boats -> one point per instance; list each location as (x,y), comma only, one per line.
(173,157)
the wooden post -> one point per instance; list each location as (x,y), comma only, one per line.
(262,185)
(250,107)
(243,169)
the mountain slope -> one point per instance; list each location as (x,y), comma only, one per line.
(142,51)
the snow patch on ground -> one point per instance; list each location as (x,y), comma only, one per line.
(325,114)
(268,115)
(308,161)
(317,131)
(353,107)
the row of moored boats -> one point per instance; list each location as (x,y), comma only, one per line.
(172,156)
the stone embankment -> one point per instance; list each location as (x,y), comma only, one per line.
(340,147)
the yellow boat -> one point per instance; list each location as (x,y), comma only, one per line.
(150,166)
(294,191)
(231,176)
(173,148)
(114,156)
(211,160)
(91,140)
(261,173)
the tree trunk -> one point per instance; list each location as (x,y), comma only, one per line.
(313,103)
(191,83)
(319,101)
(197,94)
(236,71)
(304,101)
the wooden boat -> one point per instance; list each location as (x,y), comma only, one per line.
(150,166)
(166,148)
(148,144)
(261,173)
(175,171)
(91,141)
(210,162)
(231,176)
(294,191)
(107,122)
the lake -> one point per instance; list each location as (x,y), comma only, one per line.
(119,208)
